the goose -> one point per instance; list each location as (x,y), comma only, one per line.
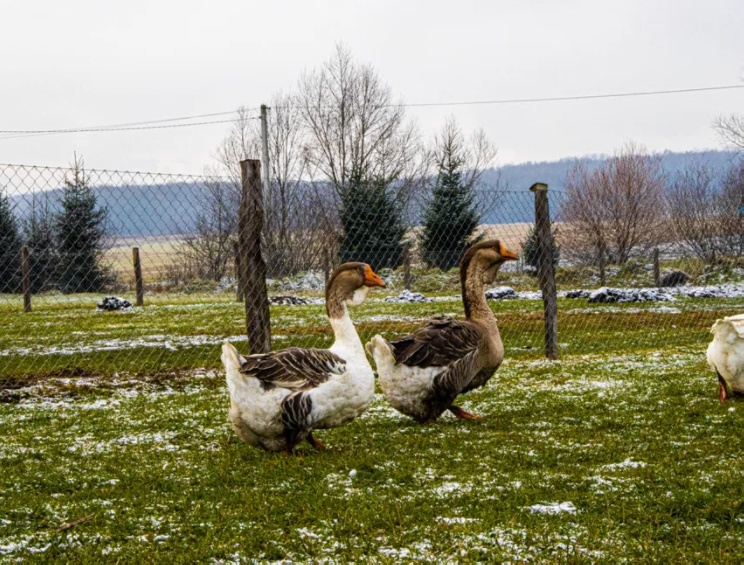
(277,399)
(421,374)
(726,355)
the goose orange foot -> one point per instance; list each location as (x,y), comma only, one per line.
(460,414)
(315,443)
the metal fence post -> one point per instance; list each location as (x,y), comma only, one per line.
(138,276)
(26,272)
(250,226)
(545,272)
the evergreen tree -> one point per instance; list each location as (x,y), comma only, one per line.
(39,233)
(10,248)
(450,217)
(531,251)
(80,228)
(372,223)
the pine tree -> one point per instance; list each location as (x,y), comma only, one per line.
(531,251)
(450,217)
(80,228)
(372,223)
(39,234)
(10,248)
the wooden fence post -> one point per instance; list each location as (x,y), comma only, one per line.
(138,276)
(657,269)
(26,272)
(239,274)
(602,270)
(545,272)
(250,225)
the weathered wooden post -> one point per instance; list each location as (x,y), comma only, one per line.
(657,269)
(239,274)
(250,225)
(407,266)
(545,272)
(138,276)
(26,272)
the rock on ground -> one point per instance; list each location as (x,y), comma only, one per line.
(605,295)
(111,303)
(288,300)
(674,278)
(409,297)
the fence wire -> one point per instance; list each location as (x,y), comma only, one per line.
(80,228)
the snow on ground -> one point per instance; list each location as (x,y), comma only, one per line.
(172,342)
(553,508)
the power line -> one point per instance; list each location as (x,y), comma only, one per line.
(581,97)
(34,133)
(147,125)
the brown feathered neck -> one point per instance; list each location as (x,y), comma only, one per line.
(471,283)
(341,286)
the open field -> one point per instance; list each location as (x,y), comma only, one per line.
(122,452)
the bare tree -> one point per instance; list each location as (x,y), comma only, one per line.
(696,208)
(355,128)
(287,224)
(207,253)
(731,129)
(360,144)
(617,208)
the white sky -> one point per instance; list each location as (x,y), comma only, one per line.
(85,63)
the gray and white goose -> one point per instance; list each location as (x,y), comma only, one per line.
(277,399)
(422,374)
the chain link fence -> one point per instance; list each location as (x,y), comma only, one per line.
(109,273)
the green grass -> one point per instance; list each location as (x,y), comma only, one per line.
(625,427)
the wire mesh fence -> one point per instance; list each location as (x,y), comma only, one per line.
(118,273)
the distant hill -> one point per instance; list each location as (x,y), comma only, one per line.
(167,209)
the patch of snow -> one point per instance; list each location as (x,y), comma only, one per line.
(553,508)
(172,343)
(627,464)
(455,520)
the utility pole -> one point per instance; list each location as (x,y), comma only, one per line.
(265,149)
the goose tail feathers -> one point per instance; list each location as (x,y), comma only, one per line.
(380,351)
(232,360)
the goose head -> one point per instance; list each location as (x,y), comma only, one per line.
(348,286)
(483,260)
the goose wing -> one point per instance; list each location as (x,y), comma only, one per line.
(439,343)
(294,368)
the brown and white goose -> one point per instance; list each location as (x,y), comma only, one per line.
(422,374)
(278,398)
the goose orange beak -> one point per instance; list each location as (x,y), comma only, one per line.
(371,278)
(508,255)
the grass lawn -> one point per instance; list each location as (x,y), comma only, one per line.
(122,451)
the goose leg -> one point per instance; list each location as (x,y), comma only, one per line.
(722,394)
(460,414)
(315,443)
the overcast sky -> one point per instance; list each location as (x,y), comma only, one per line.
(85,63)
